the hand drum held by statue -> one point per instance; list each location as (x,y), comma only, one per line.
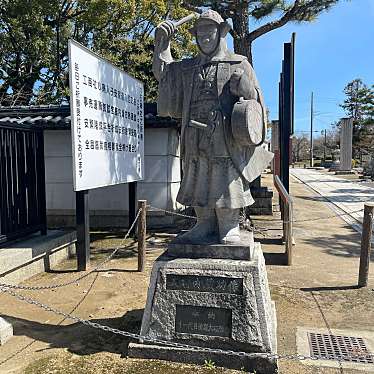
(247,123)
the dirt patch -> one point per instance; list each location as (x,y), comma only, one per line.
(104,363)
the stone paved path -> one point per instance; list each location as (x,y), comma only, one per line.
(343,196)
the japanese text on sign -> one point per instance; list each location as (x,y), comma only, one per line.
(107,121)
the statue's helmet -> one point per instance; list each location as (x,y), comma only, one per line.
(209,15)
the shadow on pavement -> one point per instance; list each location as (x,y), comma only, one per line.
(345,198)
(113,270)
(270,240)
(275,258)
(78,338)
(354,190)
(330,288)
(340,245)
(64,271)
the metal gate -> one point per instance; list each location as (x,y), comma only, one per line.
(22,182)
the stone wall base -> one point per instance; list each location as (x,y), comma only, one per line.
(263,204)
(35,254)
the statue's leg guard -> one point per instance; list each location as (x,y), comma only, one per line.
(228,224)
(204,229)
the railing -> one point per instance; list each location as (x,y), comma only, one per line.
(22,182)
(286,206)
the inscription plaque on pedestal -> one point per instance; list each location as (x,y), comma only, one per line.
(201,320)
(200,283)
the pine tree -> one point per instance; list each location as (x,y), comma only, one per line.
(242,11)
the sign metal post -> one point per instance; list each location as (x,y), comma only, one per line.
(83,230)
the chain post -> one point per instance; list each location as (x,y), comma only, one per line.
(142,232)
(367,233)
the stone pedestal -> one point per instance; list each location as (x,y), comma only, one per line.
(346,134)
(241,251)
(263,204)
(220,304)
(335,166)
(369,168)
(263,197)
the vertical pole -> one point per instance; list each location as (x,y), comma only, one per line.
(280,134)
(83,230)
(132,203)
(285,223)
(311,132)
(289,243)
(2,184)
(287,116)
(367,232)
(324,147)
(41,182)
(292,90)
(142,231)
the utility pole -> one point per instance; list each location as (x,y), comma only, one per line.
(324,147)
(311,131)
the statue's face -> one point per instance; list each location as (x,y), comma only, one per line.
(207,36)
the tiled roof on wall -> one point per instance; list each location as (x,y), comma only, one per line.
(58,116)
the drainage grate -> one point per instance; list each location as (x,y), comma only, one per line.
(339,347)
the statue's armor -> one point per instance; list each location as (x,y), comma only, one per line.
(205,108)
(210,178)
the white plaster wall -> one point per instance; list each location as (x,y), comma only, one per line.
(58,170)
(159,188)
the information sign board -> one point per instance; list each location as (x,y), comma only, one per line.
(107,121)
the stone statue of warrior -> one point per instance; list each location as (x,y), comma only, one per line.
(218,98)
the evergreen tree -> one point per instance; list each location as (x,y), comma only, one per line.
(359,104)
(242,11)
(34,38)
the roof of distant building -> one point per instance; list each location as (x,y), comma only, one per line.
(58,116)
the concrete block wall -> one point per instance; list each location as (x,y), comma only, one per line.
(24,258)
(109,205)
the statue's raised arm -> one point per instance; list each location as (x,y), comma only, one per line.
(162,53)
(163,35)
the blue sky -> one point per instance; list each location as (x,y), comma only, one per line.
(330,52)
